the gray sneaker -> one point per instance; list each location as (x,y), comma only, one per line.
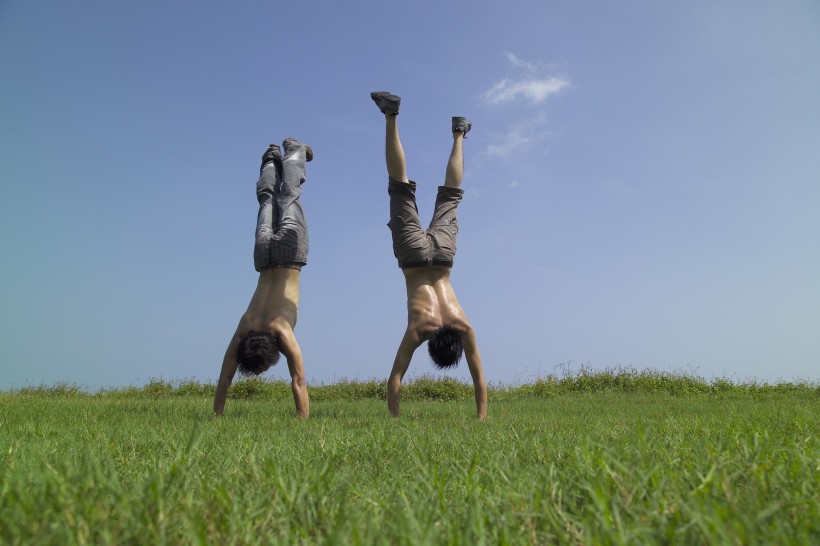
(387,103)
(272,153)
(290,142)
(461,125)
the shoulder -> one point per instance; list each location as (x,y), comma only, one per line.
(413,336)
(246,324)
(280,327)
(461,325)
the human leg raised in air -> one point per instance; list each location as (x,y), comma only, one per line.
(267,220)
(455,165)
(290,242)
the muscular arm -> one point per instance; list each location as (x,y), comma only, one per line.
(477,373)
(229,365)
(290,348)
(408,346)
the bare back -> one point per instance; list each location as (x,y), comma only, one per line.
(275,303)
(431,301)
(273,309)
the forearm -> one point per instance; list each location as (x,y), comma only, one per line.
(300,398)
(477,373)
(221,394)
(226,374)
(298,384)
(400,365)
(393,390)
(481,399)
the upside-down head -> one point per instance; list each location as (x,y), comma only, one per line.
(257,351)
(445,347)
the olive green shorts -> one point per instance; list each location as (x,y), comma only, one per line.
(414,246)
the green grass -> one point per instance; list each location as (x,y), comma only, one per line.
(610,458)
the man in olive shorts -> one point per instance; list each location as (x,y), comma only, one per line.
(280,251)
(426,257)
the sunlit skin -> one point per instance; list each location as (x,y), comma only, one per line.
(431,300)
(273,308)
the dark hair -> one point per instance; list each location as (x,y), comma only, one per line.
(257,351)
(445,347)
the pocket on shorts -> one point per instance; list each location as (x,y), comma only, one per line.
(445,234)
(406,235)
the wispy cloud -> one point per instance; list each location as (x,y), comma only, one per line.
(530,82)
(518,137)
(536,90)
(515,139)
(515,61)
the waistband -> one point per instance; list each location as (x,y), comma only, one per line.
(288,265)
(425,263)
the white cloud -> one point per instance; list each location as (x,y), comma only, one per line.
(514,140)
(518,137)
(515,61)
(531,82)
(534,89)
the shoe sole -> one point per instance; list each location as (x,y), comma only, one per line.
(308,149)
(382,97)
(459,120)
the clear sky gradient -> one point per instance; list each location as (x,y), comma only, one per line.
(642,178)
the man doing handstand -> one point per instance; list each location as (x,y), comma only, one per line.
(281,249)
(425,257)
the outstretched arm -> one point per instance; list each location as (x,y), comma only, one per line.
(229,365)
(290,348)
(477,373)
(408,346)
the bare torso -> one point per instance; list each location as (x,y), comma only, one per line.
(275,303)
(273,308)
(431,301)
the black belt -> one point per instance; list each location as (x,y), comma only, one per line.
(426,263)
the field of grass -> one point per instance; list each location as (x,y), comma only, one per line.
(607,458)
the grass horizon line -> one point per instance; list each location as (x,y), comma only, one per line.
(434,387)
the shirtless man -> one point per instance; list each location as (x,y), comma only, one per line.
(281,249)
(425,258)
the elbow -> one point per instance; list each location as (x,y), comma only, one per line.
(394,383)
(299,382)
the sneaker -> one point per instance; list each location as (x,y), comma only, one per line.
(461,125)
(272,153)
(290,141)
(387,103)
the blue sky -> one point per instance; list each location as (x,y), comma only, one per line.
(643,181)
